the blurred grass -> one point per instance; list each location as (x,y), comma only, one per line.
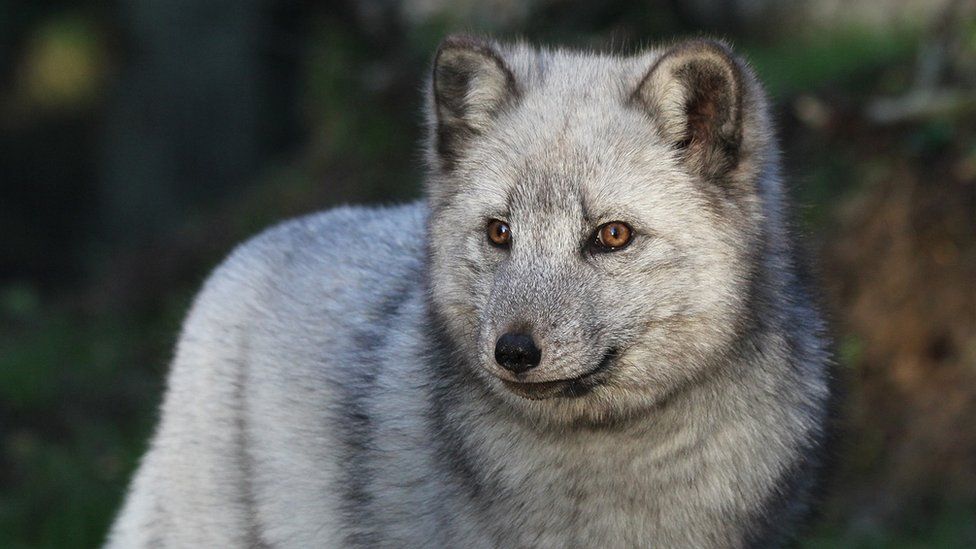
(953,527)
(78,399)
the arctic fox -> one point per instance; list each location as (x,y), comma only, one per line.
(589,333)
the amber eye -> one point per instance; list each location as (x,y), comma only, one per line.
(612,236)
(499,234)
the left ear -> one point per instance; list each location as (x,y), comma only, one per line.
(471,85)
(694,94)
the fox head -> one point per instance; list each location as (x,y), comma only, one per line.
(596,222)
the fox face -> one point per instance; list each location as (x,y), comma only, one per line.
(594,221)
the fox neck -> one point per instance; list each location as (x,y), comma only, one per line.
(725,442)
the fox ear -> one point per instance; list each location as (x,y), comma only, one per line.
(693,93)
(471,85)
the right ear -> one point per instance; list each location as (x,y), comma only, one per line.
(471,85)
(694,95)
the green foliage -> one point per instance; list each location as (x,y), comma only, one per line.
(81,397)
(843,55)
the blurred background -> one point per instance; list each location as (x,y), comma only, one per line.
(140,140)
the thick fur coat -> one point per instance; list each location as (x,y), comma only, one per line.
(337,381)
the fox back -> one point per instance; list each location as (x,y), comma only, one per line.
(590,332)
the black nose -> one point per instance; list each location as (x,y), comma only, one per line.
(517,352)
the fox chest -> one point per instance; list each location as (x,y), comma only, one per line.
(616,497)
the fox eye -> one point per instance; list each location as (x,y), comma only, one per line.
(612,236)
(499,234)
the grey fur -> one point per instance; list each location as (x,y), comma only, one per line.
(334,384)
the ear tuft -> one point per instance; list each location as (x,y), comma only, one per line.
(471,85)
(694,93)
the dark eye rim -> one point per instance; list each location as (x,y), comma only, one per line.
(501,245)
(598,247)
